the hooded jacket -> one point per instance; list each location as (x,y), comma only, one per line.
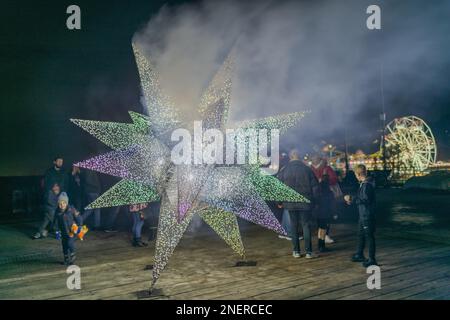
(300,177)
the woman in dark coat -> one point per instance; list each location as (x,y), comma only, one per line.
(324,210)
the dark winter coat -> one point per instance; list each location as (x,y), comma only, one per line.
(300,177)
(65,220)
(365,201)
(53,176)
(326,202)
(90,183)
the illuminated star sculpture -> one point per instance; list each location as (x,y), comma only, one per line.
(141,157)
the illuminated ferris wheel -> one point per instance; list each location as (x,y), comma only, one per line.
(410,144)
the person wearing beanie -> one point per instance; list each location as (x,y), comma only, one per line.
(365,201)
(67,217)
(50,206)
(63,198)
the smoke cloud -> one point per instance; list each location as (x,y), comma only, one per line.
(305,55)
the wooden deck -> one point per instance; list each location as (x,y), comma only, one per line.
(202,267)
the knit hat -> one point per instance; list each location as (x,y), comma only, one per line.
(63,197)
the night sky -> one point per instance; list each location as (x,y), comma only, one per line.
(49,73)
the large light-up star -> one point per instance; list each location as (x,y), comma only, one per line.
(141,157)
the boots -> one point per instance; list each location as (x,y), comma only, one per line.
(67,260)
(358,257)
(370,262)
(40,235)
(152,235)
(322,247)
(37,235)
(139,243)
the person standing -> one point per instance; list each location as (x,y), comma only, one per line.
(54,182)
(66,218)
(111,218)
(286,224)
(56,174)
(50,206)
(300,177)
(285,221)
(90,187)
(75,188)
(350,183)
(322,170)
(323,211)
(365,202)
(153,219)
(138,215)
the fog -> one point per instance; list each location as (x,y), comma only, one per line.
(304,55)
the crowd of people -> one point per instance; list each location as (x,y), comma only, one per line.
(66,196)
(320,184)
(67,219)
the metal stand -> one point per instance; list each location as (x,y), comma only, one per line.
(246,263)
(152,293)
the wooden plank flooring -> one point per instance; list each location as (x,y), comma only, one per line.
(202,267)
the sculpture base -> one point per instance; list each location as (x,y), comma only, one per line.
(146,294)
(247,263)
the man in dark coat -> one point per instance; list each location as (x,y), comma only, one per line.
(56,175)
(91,188)
(300,177)
(54,182)
(75,193)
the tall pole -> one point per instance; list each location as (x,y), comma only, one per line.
(383,122)
(347,167)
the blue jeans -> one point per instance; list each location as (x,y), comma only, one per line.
(286,222)
(303,218)
(90,197)
(138,223)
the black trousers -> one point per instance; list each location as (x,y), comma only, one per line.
(366,233)
(68,245)
(304,218)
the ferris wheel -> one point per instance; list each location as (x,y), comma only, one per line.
(410,144)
